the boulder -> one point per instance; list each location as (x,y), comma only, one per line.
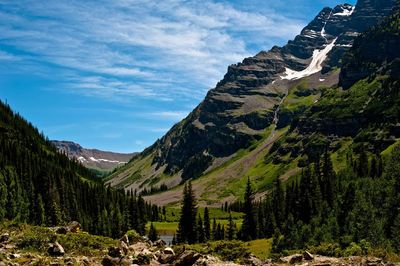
(169,251)
(61,230)
(4,237)
(308,256)
(74,227)
(188,257)
(85,261)
(110,261)
(292,259)
(125,239)
(142,259)
(115,252)
(159,243)
(124,247)
(166,258)
(56,249)
(15,256)
(253,261)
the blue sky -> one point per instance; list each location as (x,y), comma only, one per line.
(116,75)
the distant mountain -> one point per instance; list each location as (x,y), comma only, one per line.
(236,132)
(93,158)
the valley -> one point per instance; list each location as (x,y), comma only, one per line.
(291,159)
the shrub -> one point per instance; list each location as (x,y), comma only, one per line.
(84,243)
(133,236)
(35,238)
(327,249)
(230,250)
(353,250)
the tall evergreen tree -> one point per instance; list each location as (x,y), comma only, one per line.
(207,226)
(153,236)
(230,230)
(249,224)
(187,232)
(200,230)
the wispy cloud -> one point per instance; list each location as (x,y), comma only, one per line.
(130,48)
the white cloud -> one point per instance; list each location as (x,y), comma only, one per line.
(118,49)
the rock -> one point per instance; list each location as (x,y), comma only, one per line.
(61,230)
(188,257)
(110,261)
(166,258)
(125,239)
(308,256)
(56,249)
(115,252)
(10,246)
(169,250)
(142,259)
(124,247)
(74,227)
(159,243)
(15,256)
(69,261)
(85,261)
(253,261)
(295,258)
(4,237)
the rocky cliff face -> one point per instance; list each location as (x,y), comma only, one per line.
(92,158)
(247,100)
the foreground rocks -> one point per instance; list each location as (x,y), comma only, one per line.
(137,251)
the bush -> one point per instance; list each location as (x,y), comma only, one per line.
(35,238)
(327,249)
(133,236)
(353,250)
(84,243)
(230,250)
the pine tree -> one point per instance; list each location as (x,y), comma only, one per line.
(40,212)
(187,232)
(200,230)
(214,230)
(3,198)
(230,231)
(207,226)
(249,225)
(153,236)
(278,202)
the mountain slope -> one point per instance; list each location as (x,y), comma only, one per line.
(228,136)
(93,158)
(38,185)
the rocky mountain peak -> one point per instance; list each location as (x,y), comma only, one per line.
(246,101)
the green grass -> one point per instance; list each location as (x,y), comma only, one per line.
(36,239)
(260,247)
(170,226)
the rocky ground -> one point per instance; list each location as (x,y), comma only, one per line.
(18,246)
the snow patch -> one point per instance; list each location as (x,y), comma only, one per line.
(315,66)
(104,160)
(346,12)
(323,32)
(321,80)
(82,159)
(345,45)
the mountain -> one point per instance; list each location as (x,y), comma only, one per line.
(39,185)
(241,128)
(93,158)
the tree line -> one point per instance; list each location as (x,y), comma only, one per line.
(359,204)
(40,186)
